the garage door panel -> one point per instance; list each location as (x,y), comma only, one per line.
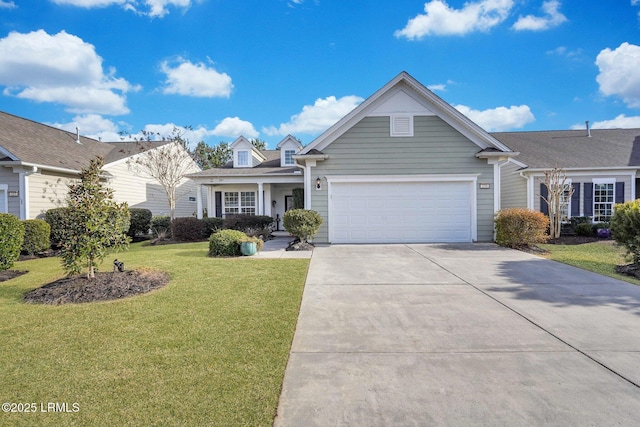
(384,212)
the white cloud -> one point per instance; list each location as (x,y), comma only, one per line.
(552,18)
(619,73)
(620,122)
(164,131)
(153,8)
(92,126)
(191,79)
(234,127)
(317,117)
(60,68)
(440,19)
(437,87)
(499,119)
(7,4)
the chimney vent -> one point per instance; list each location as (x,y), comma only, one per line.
(588,129)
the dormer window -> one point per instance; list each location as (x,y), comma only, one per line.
(288,157)
(243,158)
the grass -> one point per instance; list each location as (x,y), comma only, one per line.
(210,348)
(599,257)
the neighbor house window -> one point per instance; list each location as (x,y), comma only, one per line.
(288,157)
(243,158)
(239,202)
(603,200)
(565,203)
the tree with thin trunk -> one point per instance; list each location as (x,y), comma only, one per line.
(93,224)
(559,194)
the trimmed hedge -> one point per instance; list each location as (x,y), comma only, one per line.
(519,227)
(189,229)
(302,223)
(247,222)
(140,222)
(36,236)
(12,232)
(56,219)
(212,225)
(226,243)
(625,227)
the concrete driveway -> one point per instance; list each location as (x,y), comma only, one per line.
(471,334)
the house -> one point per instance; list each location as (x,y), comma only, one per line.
(600,164)
(403,166)
(38,161)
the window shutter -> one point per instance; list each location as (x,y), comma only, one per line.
(588,199)
(619,192)
(544,208)
(218,197)
(575,200)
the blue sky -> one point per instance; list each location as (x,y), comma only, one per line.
(267,68)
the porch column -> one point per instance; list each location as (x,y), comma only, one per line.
(267,199)
(260,199)
(199,201)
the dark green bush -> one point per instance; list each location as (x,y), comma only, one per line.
(36,236)
(625,227)
(189,229)
(161,226)
(302,223)
(519,227)
(12,232)
(226,243)
(212,225)
(584,229)
(140,222)
(298,198)
(56,218)
(247,222)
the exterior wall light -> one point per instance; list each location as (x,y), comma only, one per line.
(318,183)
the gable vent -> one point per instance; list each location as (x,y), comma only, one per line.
(401,125)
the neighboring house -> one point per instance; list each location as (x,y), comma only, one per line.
(600,164)
(404,166)
(38,161)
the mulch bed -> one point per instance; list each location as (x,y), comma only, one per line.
(105,286)
(10,274)
(632,270)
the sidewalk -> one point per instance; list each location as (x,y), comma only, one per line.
(276,248)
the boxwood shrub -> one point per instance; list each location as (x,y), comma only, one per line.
(36,236)
(302,223)
(140,222)
(226,243)
(12,232)
(519,227)
(56,219)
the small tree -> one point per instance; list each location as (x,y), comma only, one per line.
(94,223)
(558,196)
(302,223)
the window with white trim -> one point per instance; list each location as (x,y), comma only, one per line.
(240,202)
(565,203)
(604,196)
(288,157)
(243,158)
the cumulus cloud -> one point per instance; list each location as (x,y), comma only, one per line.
(619,73)
(499,119)
(552,18)
(189,79)
(317,117)
(151,8)
(620,122)
(63,69)
(93,126)
(234,127)
(440,19)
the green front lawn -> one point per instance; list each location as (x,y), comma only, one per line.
(599,257)
(210,348)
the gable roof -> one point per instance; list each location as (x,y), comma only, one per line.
(271,166)
(605,148)
(423,97)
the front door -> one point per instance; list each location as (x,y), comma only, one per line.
(288,203)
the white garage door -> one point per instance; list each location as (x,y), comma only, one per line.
(401,212)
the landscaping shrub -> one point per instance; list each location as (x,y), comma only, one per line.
(36,236)
(226,243)
(12,232)
(140,221)
(247,222)
(56,218)
(161,225)
(298,198)
(625,227)
(212,225)
(189,229)
(584,229)
(519,227)
(302,223)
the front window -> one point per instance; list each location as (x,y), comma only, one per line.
(243,158)
(603,200)
(565,204)
(240,202)
(288,157)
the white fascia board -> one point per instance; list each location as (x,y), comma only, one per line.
(38,167)
(584,171)
(6,153)
(403,178)
(253,179)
